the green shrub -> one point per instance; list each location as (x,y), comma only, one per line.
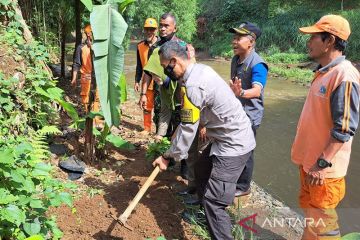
(27,108)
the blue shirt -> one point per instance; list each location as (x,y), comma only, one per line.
(259,74)
(253,70)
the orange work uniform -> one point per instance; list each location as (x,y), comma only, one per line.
(143,53)
(83,63)
(330,112)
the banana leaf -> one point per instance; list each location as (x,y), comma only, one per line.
(88,4)
(123,88)
(109,29)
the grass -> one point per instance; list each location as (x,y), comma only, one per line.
(284,64)
(200,229)
(286,57)
(298,75)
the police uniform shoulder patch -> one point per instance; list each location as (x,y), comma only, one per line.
(189,112)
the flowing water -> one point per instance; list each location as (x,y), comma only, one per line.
(274,170)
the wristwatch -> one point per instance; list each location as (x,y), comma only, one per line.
(242,92)
(142,94)
(322,163)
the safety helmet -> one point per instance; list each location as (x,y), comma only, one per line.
(87,29)
(150,23)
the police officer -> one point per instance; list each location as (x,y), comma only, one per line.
(208,101)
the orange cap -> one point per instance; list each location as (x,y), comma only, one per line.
(87,29)
(150,23)
(334,24)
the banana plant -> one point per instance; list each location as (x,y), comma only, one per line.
(109,29)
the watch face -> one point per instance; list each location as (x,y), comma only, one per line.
(322,163)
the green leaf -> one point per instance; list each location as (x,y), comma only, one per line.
(66,198)
(36,203)
(55,93)
(70,110)
(23,200)
(58,199)
(57,234)
(28,185)
(6,197)
(49,130)
(41,91)
(23,148)
(93,114)
(17,177)
(161,238)
(125,4)
(351,236)
(109,30)
(7,156)
(88,4)
(96,132)
(13,214)
(123,88)
(41,169)
(118,142)
(32,228)
(35,237)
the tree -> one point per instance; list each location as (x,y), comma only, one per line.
(65,17)
(77,13)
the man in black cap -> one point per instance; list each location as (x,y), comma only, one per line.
(248,79)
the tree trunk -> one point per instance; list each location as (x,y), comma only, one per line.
(77,23)
(63,52)
(89,137)
(89,141)
(44,22)
(26,32)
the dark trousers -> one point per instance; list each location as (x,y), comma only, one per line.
(216,185)
(243,183)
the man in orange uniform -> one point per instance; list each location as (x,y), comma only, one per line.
(83,63)
(144,50)
(326,127)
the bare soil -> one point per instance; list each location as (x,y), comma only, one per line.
(109,185)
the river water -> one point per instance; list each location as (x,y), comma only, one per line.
(274,170)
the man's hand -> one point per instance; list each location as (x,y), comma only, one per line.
(73,82)
(161,162)
(202,134)
(316,175)
(236,86)
(143,102)
(137,87)
(158,138)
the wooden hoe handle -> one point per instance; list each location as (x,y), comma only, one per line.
(123,218)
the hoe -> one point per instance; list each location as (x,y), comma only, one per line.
(123,217)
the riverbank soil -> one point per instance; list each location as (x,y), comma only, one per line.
(108,186)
